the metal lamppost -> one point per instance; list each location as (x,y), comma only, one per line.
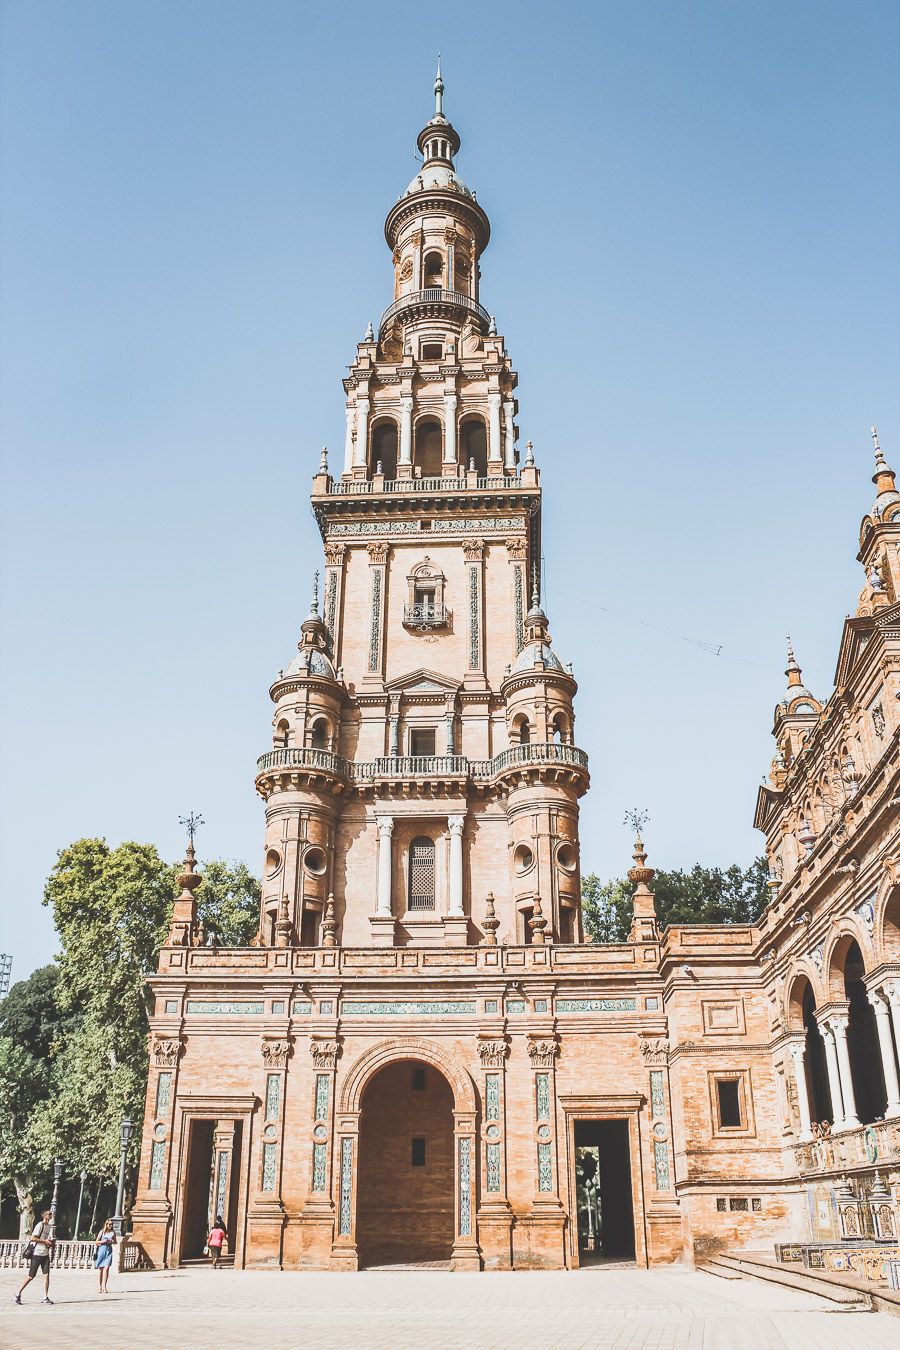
(57,1176)
(82,1177)
(125,1130)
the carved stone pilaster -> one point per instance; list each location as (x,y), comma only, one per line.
(324,1053)
(166,1051)
(655,1049)
(542,1052)
(275,1053)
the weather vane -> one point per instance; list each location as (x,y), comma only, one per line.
(636,819)
(192,824)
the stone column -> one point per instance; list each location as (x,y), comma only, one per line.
(495,450)
(223,1145)
(450,402)
(892,993)
(798,1056)
(406,412)
(839,1027)
(457,824)
(473,551)
(509,409)
(385,834)
(334,585)
(494,1214)
(465,1254)
(348,438)
(378,601)
(888,1059)
(834,1081)
(547,1219)
(362,430)
(448,722)
(343,1250)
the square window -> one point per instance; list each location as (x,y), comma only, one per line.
(756,1204)
(721,1204)
(418,1080)
(739,1203)
(432,351)
(418,1153)
(421,741)
(728,1091)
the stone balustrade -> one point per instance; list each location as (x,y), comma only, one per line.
(875,1145)
(421,766)
(67,1254)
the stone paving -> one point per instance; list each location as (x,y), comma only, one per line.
(432,1310)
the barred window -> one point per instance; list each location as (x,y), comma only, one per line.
(421,874)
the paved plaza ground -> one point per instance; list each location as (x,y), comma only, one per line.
(433,1310)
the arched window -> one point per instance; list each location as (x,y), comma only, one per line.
(319,734)
(462,271)
(421,874)
(433,269)
(560,729)
(429,448)
(384,449)
(521,730)
(283,734)
(473,445)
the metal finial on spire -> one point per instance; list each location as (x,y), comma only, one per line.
(191,823)
(879,457)
(438,91)
(535,588)
(792,669)
(314,603)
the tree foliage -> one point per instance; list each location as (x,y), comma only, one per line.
(73,1037)
(702,895)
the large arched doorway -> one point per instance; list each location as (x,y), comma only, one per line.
(405,1191)
(820,1104)
(862,1041)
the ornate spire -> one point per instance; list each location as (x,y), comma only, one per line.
(184,931)
(314,602)
(792,670)
(883,477)
(438,91)
(644,927)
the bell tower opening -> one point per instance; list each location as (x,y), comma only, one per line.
(405,1205)
(429,448)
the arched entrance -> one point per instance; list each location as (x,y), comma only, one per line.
(821,1107)
(405,1192)
(862,1041)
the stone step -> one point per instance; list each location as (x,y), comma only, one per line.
(721,1271)
(823,1284)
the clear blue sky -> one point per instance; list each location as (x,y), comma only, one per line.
(695,264)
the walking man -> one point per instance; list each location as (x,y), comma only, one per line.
(41,1245)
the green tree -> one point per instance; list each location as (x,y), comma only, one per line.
(30,1028)
(702,895)
(228,902)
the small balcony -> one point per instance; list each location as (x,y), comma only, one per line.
(423,618)
(435,302)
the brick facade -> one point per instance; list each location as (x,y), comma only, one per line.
(421,890)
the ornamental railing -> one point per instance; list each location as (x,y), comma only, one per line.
(435,295)
(426,616)
(361,487)
(877,1145)
(541,752)
(292,757)
(66,1255)
(422,766)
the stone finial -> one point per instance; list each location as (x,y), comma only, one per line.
(184,930)
(883,477)
(283,925)
(370,333)
(537,923)
(329,924)
(492,327)
(438,90)
(644,927)
(490,923)
(640,874)
(792,669)
(323,460)
(529,455)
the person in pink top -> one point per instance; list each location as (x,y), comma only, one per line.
(217,1235)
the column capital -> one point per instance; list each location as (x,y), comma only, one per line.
(407,402)
(451,400)
(891,991)
(457,824)
(797,1050)
(879,1001)
(385,826)
(838,1022)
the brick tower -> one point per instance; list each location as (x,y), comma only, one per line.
(423,753)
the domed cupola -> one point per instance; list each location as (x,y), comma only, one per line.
(312,650)
(796,698)
(537,651)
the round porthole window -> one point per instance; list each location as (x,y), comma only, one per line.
(567,857)
(314,861)
(524,859)
(273,862)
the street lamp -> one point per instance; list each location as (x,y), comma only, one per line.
(125,1129)
(57,1175)
(82,1177)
